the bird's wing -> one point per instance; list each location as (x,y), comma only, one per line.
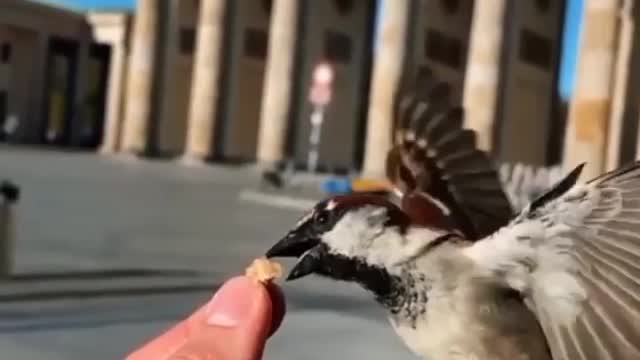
(435,157)
(523,183)
(574,253)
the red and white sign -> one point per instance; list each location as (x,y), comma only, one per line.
(320,95)
(323,74)
(322,83)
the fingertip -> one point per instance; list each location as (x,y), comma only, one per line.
(268,298)
(244,286)
(240,300)
(278,306)
(204,330)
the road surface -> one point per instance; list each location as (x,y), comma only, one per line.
(111,251)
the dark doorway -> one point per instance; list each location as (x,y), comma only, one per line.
(90,125)
(237,135)
(61,66)
(5,61)
(347,49)
(3,113)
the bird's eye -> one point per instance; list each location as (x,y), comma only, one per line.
(322,217)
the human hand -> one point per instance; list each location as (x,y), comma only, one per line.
(234,324)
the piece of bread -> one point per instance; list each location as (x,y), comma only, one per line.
(264,270)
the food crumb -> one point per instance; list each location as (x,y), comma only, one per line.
(264,270)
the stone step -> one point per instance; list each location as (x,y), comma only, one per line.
(44,287)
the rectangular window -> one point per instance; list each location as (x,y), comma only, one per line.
(442,48)
(5,53)
(3,106)
(187,40)
(255,43)
(535,49)
(337,47)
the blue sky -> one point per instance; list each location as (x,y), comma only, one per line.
(572,30)
(94,4)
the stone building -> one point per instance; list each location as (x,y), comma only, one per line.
(501,58)
(229,80)
(57,69)
(42,50)
(235,42)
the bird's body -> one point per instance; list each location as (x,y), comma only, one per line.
(461,275)
(444,308)
(440,302)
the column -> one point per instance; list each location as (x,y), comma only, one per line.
(140,79)
(589,111)
(620,88)
(480,94)
(205,90)
(78,117)
(117,72)
(278,83)
(387,70)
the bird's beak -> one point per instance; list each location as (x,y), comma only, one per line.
(295,244)
(309,263)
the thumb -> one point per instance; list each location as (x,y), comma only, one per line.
(235,324)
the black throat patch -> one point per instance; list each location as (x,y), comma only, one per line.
(408,298)
(403,296)
(373,278)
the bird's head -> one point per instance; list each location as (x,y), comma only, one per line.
(363,238)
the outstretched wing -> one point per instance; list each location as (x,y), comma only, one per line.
(574,254)
(435,157)
(523,183)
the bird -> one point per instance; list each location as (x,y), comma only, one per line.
(461,273)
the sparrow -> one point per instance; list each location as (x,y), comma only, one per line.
(460,273)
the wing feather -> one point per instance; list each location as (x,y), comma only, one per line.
(433,154)
(446,123)
(575,255)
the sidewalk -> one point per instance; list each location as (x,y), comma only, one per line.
(142,244)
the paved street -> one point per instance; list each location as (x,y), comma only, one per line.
(111,251)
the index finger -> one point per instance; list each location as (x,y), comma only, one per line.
(170,340)
(178,335)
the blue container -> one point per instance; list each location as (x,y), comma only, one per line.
(337,186)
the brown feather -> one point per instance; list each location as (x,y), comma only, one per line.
(434,157)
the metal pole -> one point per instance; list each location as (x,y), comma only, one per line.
(9,194)
(317,116)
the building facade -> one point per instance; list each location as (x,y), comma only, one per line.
(229,80)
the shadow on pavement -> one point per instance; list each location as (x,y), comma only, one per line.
(51,295)
(99,274)
(79,323)
(125,309)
